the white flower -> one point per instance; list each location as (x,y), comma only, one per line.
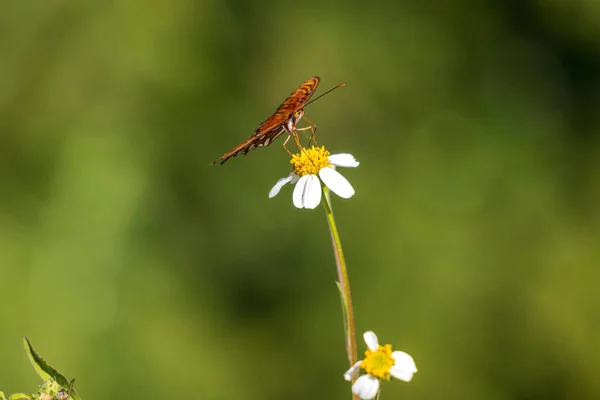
(379,363)
(309,163)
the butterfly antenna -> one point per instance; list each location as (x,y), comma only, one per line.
(329,91)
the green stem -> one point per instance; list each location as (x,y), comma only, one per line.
(344,282)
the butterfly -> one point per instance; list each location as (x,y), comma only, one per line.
(283,121)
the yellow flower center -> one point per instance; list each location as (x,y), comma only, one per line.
(310,161)
(378,362)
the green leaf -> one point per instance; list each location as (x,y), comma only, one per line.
(18,396)
(2,396)
(71,390)
(45,371)
(42,368)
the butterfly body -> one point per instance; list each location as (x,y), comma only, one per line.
(283,121)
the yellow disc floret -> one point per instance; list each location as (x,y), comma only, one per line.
(378,362)
(310,161)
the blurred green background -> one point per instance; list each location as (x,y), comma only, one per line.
(473,240)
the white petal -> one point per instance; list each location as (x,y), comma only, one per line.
(280,183)
(366,387)
(297,196)
(336,182)
(307,193)
(351,373)
(371,340)
(343,160)
(404,366)
(312,192)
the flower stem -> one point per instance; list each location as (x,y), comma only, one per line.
(344,283)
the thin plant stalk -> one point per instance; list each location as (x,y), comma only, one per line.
(343,284)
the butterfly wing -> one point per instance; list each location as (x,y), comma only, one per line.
(278,123)
(298,98)
(268,131)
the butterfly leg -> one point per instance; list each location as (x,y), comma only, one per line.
(297,139)
(312,135)
(313,127)
(284,145)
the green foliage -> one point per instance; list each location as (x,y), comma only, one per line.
(55,386)
(49,374)
(19,396)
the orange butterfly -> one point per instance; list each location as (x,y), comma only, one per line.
(284,120)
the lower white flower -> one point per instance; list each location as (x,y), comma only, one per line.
(311,167)
(379,363)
